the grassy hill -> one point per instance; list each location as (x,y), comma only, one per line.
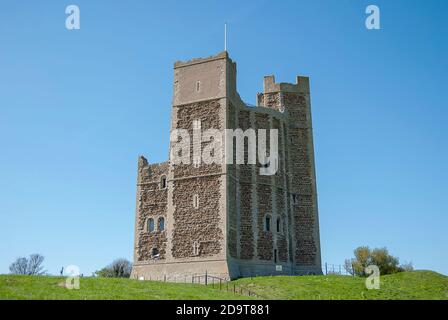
(406,285)
(46,287)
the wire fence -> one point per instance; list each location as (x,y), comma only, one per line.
(338,269)
(223,284)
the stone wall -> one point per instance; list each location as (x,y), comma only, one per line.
(302,182)
(201,225)
(197,227)
(152,203)
(208,113)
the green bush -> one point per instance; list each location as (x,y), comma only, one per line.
(380,257)
(120,268)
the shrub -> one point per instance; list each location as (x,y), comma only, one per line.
(380,257)
(119,268)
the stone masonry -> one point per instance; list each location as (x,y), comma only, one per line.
(227,219)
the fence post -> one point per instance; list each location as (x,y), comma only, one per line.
(205,277)
(234,289)
(326,269)
(220,284)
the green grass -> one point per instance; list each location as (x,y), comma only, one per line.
(401,286)
(405,285)
(48,288)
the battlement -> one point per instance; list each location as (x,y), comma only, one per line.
(302,85)
(219,56)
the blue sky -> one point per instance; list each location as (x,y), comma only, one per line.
(78,107)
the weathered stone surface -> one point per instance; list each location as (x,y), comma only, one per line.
(199,225)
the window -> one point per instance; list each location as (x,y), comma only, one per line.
(198,86)
(195,201)
(275,255)
(267,223)
(161,224)
(295,199)
(278,225)
(150,225)
(195,248)
(163,182)
(155,252)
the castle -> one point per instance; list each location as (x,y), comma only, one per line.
(227,219)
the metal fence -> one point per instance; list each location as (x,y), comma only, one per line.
(223,285)
(338,269)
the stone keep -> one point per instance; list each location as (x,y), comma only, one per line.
(227,219)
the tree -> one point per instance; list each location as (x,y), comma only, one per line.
(119,268)
(31,266)
(380,257)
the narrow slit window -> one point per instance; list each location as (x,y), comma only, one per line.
(267,223)
(295,199)
(195,248)
(195,201)
(198,86)
(163,182)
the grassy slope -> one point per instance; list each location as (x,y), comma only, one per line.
(33,287)
(406,285)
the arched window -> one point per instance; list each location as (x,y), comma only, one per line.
(195,201)
(163,182)
(279,225)
(150,225)
(267,223)
(161,223)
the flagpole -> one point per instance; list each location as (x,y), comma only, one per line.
(225,36)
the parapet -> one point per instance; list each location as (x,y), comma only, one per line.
(302,85)
(219,56)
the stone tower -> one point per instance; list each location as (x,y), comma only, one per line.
(224,218)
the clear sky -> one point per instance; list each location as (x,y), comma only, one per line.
(78,107)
